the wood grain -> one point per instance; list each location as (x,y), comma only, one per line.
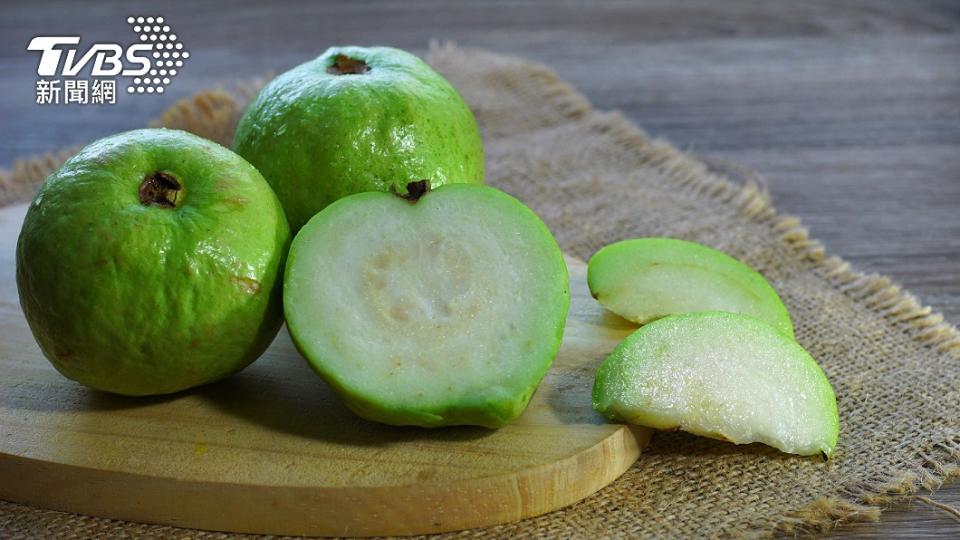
(850,109)
(272,451)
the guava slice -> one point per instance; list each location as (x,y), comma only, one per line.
(431,309)
(647,278)
(721,375)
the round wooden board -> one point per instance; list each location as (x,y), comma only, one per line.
(272,451)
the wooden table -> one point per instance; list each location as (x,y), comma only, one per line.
(850,110)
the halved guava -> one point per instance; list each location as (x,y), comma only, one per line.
(436,308)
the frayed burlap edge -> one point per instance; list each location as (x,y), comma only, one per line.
(213,114)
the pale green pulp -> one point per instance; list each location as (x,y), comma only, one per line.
(445,311)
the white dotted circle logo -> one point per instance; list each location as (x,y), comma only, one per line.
(168,54)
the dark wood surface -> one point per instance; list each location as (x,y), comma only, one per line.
(850,110)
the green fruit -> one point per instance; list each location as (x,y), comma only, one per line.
(151,262)
(439,309)
(648,278)
(358,119)
(720,375)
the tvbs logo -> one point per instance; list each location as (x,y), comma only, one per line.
(148,65)
(107,57)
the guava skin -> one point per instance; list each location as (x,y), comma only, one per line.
(142,298)
(318,136)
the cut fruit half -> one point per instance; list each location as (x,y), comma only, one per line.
(439,308)
(720,375)
(647,278)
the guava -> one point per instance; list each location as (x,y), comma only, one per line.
(644,279)
(722,375)
(151,262)
(358,119)
(435,308)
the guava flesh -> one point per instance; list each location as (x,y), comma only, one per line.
(447,309)
(647,278)
(721,375)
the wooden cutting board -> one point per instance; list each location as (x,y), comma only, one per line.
(272,451)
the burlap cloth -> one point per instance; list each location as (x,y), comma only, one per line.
(595,178)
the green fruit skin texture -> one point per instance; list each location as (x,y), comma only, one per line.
(493,406)
(317,136)
(615,268)
(638,384)
(139,300)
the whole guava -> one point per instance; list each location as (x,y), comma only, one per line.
(358,119)
(151,262)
